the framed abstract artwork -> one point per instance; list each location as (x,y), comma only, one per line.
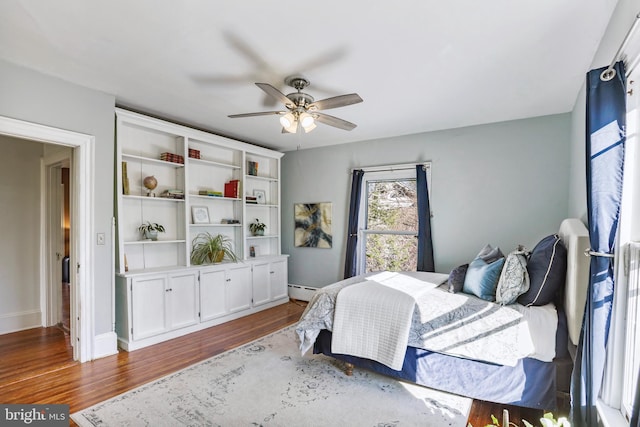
(313,225)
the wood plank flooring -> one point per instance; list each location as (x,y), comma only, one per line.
(37,365)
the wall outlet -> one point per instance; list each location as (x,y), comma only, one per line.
(100,238)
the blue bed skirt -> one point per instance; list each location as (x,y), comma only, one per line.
(531,383)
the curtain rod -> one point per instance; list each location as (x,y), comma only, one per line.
(391,168)
(610,73)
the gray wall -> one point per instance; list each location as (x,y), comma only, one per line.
(20,219)
(34,97)
(504,184)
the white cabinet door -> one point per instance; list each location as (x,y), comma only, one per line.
(148,306)
(238,288)
(213,301)
(182,294)
(278,279)
(260,283)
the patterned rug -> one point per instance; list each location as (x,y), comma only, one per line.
(268,383)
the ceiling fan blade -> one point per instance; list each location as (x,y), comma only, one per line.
(262,113)
(334,121)
(272,91)
(335,102)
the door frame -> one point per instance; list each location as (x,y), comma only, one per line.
(81,209)
(51,202)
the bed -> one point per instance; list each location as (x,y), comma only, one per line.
(457,342)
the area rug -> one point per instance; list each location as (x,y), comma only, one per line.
(268,383)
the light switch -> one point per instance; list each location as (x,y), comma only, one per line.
(101,238)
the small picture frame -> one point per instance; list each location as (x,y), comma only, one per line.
(200,214)
(261,196)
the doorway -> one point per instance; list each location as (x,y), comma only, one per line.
(81,211)
(57,169)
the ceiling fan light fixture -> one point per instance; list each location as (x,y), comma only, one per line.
(287,121)
(303,109)
(306,120)
(309,128)
(293,127)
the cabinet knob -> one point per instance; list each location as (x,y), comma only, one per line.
(168,290)
(272,272)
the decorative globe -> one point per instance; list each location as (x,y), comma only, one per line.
(150,182)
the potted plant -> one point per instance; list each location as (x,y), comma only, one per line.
(257,228)
(208,249)
(150,230)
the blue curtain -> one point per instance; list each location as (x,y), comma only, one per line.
(606,112)
(425,247)
(350,262)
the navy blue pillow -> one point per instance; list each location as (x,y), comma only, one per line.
(547,268)
(456,278)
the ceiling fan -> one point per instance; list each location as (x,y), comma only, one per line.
(302,110)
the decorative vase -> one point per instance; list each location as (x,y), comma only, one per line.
(218,256)
(151,234)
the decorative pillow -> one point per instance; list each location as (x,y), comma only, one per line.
(456,278)
(514,279)
(547,268)
(482,278)
(489,254)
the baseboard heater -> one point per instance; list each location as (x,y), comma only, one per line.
(302,293)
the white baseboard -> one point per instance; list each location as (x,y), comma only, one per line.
(301,293)
(13,322)
(105,345)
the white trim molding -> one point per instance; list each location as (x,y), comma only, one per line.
(105,345)
(610,417)
(13,322)
(83,211)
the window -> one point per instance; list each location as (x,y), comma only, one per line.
(389,219)
(623,358)
(628,272)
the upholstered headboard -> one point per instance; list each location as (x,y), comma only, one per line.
(575,237)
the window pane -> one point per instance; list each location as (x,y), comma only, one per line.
(392,205)
(391,252)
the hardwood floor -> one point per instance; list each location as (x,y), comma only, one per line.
(37,365)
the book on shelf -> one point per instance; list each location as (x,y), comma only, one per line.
(252,168)
(125,179)
(210,193)
(194,154)
(171,157)
(229,221)
(252,200)
(172,194)
(232,189)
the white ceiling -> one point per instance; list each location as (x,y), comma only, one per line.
(419,65)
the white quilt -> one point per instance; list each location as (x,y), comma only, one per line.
(373,320)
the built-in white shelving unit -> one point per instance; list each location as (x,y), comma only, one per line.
(159,294)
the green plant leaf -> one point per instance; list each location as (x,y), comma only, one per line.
(205,248)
